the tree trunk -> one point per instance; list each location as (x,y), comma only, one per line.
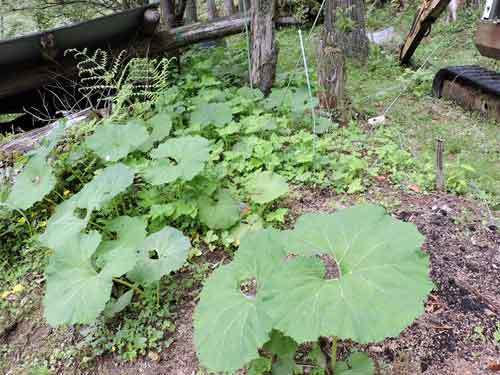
(332,77)
(264,46)
(229,5)
(244,5)
(345,19)
(212,9)
(167,8)
(191,12)
(180,9)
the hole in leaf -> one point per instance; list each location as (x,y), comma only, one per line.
(81,213)
(36,180)
(249,288)
(173,161)
(153,254)
(332,270)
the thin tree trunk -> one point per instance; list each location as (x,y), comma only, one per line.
(180,9)
(244,5)
(332,77)
(229,5)
(167,8)
(191,12)
(212,9)
(264,46)
(345,19)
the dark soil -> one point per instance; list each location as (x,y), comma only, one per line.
(454,336)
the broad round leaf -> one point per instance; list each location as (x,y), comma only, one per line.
(221,213)
(109,183)
(178,158)
(34,183)
(112,142)
(229,325)
(264,187)
(63,225)
(161,125)
(130,233)
(218,114)
(382,285)
(75,293)
(160,253)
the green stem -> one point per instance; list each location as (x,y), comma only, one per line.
(27,221)
(127,284)
(334,353)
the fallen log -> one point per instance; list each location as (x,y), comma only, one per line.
(199,32)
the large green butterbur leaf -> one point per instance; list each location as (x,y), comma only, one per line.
(105,186)
(219,213)
(65,223)
(130,232)
(231,326)
(159,254)
(178,158)
(218,114)
(112,142)
(264,187)
(382,285)
(34,183)
(380,289)
(160,125)
(76,293)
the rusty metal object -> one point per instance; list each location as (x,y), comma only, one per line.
(472,99)
(427,14)
(488,39)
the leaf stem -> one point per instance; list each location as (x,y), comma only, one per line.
(334,353)
(126,283)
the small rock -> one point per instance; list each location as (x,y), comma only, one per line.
(154,356)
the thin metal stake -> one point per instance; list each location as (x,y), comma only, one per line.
(439,165)
(308,85)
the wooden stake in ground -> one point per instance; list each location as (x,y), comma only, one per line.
(264,48)
(439,165)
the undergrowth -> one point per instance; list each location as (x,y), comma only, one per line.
(211,158)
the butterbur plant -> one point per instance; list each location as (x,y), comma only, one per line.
(358,274)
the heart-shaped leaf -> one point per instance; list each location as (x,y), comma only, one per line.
(264,187)
(112,142)
(381,283)
(221,213)
(76,293)
(178,158)
(231,301)
(218,114)
(35,182)
(160,253)
(160,125)
(105,186)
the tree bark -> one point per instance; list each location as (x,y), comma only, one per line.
(244,5)
(191,12)
(229,5)
(167,8)
(264,51)
(212,9)
(331,77)
(345,20)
